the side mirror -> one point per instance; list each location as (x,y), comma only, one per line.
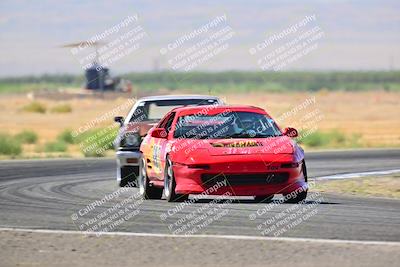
(159,133)
(291,132)
(119,119)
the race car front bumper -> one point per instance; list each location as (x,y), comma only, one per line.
(238,180)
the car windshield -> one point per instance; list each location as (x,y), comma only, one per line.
(226,125)
(155,110)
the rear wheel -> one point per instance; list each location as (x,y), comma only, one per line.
(147,190)
(170,184)
(263,199)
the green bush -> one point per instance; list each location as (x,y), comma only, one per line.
(336,138)
(333,138)
(9,145)
(57,146)
(34,106)
(316,139)
(62,108)
(66,136)
(354,140)
(95,142)
(27,137)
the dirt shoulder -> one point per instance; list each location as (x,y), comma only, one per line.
(386,186)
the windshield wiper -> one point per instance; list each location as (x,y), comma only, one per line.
(242,134)
(265,135)
(250,135)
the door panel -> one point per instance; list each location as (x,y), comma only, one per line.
(158,149)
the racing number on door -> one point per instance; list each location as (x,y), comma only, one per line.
(156,156)
(158,151)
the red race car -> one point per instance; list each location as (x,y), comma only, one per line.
(216,150)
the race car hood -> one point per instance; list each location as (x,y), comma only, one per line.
(226,147)
(273,145)
(188,151)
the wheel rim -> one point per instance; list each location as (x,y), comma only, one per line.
(142,177)
(168,179)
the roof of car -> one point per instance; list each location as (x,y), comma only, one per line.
(213,109)
(176,97)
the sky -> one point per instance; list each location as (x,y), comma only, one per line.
(356,35)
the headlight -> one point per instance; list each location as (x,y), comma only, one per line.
(131,139)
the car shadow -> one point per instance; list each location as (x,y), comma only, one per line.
(251,201)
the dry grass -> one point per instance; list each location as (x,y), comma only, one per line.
(50,125)
(380,187)
(374,115)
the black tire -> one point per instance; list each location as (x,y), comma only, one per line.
(147,190)
(304,169)
(264,199)
(129,176)
(298,198)
(170,184)
(302,195)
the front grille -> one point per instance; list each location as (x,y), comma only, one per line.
(210,179)
(131,148)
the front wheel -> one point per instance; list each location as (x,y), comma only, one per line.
(264,199)
(304,170)
(146,190)
(297,198)
(301,195)
(170,184)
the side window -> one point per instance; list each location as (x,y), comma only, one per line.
(138,115)
(163,123)
(169,121)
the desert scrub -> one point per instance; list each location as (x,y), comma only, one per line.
(9,145)
(332,139)
(66,136)
(35,107)
(95,142)
(62,108)
(27,137)
(56,146)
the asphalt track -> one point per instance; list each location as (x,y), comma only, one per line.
(44,194)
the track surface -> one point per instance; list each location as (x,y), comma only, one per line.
(44,194)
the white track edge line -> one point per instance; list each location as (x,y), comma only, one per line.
(234,237)
(356,174)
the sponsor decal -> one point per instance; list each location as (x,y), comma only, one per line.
(247,143)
